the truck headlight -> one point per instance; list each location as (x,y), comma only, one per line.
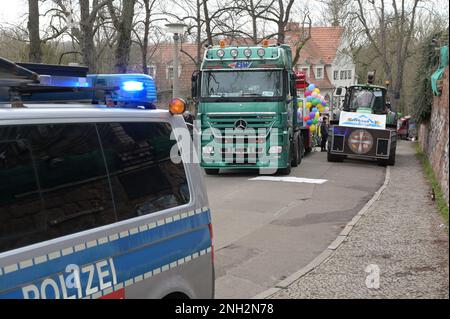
(208,150)
(275,149)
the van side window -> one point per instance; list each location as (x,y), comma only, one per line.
(144,179)
(53,182)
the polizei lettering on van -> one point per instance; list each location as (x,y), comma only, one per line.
(75,282)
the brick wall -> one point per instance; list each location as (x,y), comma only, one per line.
(433,136)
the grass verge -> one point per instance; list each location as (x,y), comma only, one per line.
(440,201)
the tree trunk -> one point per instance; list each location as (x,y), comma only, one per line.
(145,40)
(35,54)
(207,22)
(87,37)
(124,36)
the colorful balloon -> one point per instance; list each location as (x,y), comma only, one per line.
(311,87)
(312,128)
(324,103)
(317,115)
(308,104)
(309,98)
(314,109)
(312,115)
(306,118)
(307,93)
(309,122)
(316,90)
(315,121)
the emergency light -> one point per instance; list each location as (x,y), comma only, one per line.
(132,90)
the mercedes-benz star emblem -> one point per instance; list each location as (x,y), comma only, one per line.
(240,125)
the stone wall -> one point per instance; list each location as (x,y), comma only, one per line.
(433,136)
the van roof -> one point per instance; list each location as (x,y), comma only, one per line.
(79,111)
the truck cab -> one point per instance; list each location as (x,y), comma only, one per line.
(246,109)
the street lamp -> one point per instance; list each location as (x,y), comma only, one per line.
(176,29)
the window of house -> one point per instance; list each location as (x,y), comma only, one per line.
(169,72)
(343,75)
(303,68)
(151,70)
(349,74)
(336,75)
(319,73)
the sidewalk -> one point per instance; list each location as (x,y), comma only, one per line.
(401,234)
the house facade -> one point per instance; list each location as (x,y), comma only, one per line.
(325,59)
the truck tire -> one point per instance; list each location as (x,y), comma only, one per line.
(284,171)
(211,171)
(390,161)
(334,158)
(296,154)
(287,170)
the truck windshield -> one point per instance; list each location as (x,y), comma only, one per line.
(242,84)
(363,98)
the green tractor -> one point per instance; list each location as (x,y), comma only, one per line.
(366,127)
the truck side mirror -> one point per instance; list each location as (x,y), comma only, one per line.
(339,91)
(194,84)
(293,85)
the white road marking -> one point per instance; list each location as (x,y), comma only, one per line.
(289,179)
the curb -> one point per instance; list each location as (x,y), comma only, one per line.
(328,252)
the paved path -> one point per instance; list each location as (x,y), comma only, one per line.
(401,234)
(266,230)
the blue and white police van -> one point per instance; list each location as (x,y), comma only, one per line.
(97,201)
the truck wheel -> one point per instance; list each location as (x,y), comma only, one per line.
(287,170)
(296,157)
(284,171)
(211,171)
(334,158)
(390,161)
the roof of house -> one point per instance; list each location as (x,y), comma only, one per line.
(321,48)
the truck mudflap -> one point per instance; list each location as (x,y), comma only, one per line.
(362,142)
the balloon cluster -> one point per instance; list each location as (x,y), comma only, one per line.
(315,104)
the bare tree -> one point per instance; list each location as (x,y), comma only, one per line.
(280,14)
(335,11)
(123,22)
(401,27)
(85,33)
(35,54)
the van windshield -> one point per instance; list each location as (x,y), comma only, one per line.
(242,84)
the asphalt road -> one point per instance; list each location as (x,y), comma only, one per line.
(265,230)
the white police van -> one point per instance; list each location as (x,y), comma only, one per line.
(96,201)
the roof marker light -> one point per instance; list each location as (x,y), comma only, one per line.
(222,43)
(133,86)
(261,52)
(265,43)
(177,106)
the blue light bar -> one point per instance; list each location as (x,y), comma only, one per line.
(133,89)
(133,86)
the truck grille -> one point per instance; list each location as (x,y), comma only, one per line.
(241,137)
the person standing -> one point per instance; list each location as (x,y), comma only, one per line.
(324,132)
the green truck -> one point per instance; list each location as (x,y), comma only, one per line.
(366,128)
(247,109)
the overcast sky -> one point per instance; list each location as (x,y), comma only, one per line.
(14,11)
